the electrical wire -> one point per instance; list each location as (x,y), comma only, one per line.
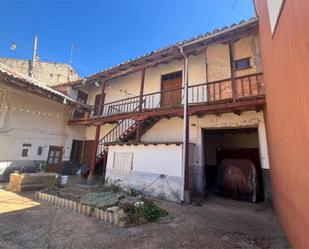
(150,183)
(168,184)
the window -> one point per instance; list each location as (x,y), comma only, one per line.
(123,162)
(171,76)
(40,150)
(25,152)
(242,63)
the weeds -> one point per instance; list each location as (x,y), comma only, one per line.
(145,210)
(49,183)
(108,185)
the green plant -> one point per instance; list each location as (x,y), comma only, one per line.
(49,183)
(145,209)
(40,166)
(108,185)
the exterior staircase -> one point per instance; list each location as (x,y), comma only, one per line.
(124,131)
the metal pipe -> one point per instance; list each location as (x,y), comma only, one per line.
(185,154)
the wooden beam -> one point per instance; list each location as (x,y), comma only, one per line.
(141,92)
(232,71)
(97,136)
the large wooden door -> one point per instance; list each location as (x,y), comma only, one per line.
(82,97)
(54,159)
(77,151)
(88,147)
(171,85)
(97,104)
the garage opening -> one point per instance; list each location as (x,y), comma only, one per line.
(232,163)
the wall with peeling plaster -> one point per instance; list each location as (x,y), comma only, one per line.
(156,169)
(211,65)
(30,119)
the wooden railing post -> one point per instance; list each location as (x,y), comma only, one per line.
(97,136)
(142,90)
(139,130)
(102,98)
(232,71)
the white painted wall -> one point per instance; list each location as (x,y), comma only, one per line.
(157,159)
(274,9)
(149,163)
(35,120)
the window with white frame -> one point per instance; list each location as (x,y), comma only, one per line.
(123,162)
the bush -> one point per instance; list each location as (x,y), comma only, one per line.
(145,209)
(108,185)
(49,183)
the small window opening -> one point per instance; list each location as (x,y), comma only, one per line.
(242,64)
(40,150)
(25,152)
(171,76)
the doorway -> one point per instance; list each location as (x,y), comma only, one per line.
(77,151)
(171,87)
(54,159)
(87,154)
(232,163)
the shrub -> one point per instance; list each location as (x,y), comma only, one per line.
(49,183)
(145,209)
(108,185)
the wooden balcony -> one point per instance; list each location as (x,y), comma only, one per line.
(223,95)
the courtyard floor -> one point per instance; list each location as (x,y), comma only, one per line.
(212,223)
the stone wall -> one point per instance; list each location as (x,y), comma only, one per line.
(48,73)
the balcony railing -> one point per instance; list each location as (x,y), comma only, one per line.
(249,86)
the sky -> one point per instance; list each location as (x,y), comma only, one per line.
(107,32)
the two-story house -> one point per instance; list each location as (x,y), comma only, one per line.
(136,130)
(33,124)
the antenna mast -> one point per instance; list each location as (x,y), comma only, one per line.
(71,54)
(34,55)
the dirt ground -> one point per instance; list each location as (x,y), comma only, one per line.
(213,223)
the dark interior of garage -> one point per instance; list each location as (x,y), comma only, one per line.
(232,163)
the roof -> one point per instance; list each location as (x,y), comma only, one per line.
(29,84)
(171,52)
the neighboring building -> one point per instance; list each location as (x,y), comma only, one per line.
(50,73)
(33,124)
(284,37)
(135,130)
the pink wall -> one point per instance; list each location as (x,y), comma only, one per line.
(285,58)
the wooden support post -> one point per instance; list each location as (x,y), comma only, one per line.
(142,90)
(97,136)
(232,71)
(139,130)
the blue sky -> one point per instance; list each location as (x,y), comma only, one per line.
(107,32)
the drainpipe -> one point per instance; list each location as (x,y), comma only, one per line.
(185,153)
